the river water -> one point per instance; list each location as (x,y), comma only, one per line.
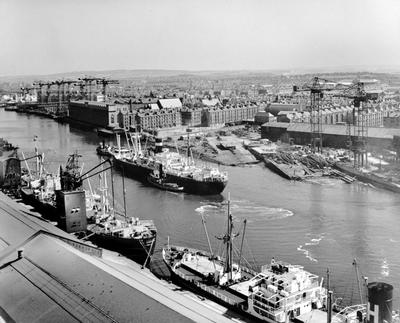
(318,225)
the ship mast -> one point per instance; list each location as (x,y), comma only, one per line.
(228,241)
(355,264)
(208,240)
(124,192)
(241,245)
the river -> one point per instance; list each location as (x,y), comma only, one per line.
(318,225)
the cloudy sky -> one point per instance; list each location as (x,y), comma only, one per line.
(50,36)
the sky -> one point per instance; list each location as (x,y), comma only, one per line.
(52,36)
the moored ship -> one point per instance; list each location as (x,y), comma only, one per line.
(178,169)
(110,230)
(58,197)
(280,292)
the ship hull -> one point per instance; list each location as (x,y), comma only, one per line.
(137,249)
(367,178)
(47,210)
(190,185)
(166,186)
(223,296)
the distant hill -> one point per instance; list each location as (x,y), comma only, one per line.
(117,74)
(159,73)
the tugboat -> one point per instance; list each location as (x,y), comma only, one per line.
(158,180)
(178,169)
(280,292)
(128,235)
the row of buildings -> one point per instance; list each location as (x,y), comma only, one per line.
(381,114)
(164,113)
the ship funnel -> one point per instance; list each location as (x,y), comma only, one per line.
(159,145)
(379,303)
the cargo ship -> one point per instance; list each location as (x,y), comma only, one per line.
(128,235)
(280,292)
(178,169)
(49,193)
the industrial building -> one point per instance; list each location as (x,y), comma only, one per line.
(332,135)
(96,114)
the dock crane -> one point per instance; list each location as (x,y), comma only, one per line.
(87,84)
(104,82)
(67,84)
(317,87)
(358,141)
(47,87)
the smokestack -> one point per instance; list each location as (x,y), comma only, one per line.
(379,303)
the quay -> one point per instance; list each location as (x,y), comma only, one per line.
(56,277)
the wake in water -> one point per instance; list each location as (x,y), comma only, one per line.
(385,270)
(314,240)
(245,209)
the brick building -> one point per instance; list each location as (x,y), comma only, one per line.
(155,119)
(228,114)
(191,117)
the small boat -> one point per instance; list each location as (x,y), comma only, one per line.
(280,292)
(106,150)
(110,230)
(161,182)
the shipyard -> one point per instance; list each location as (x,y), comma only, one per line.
(200,162)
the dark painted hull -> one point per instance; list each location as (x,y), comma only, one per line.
(164,185)
(103,152)
(281,169)
(47,210)
(367,178)
(137,249)
(190,185)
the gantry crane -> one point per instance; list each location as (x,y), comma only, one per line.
(68,84)
(357,140)
(47,85)
(317,87)
(104,82)
(87,81)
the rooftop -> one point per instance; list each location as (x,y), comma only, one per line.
(58,278)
